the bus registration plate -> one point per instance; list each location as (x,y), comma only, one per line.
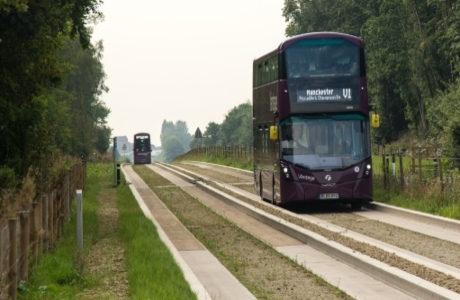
(329,196)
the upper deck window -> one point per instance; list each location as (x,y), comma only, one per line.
(266,71)
(322,58)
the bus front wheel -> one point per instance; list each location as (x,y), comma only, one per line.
(356,205)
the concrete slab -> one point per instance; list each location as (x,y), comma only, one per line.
(356,284)
(216,279)
(447,233)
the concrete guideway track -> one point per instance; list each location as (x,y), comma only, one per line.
(426,224)
(423,223)
(402,280)
(206,276)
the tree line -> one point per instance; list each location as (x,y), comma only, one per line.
(51,82)
(236,129)
(413,60)
(52,78)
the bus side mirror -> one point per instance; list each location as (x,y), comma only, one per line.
(375,121)
(273,132)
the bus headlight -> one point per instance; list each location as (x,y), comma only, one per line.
(286,172)
(367,170)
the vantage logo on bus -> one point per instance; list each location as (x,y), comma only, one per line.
(324,95)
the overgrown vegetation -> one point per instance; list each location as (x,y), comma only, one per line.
(430,196)
(60,274)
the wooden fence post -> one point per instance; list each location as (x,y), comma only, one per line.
(68,203)
(34,229)
(12,260)
(401,170)
(83,166)
(57,214)
(24,248)
(384,171)
(412,159)
(45,223)
(51,219)
(440,175)
(40,223)
(62,211)
(4,268)
(420,167)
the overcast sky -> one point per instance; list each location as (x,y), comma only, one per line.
(182,60)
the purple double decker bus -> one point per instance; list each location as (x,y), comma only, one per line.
(142,149)
(311,121)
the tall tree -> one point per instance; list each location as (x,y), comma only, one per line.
(32,34)
(86,83)
(236,129)
(167,130)
(172,147)
(210,135)
(171,134)
(181,131)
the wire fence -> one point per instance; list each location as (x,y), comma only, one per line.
(419,164)
(239,152)
(36,231)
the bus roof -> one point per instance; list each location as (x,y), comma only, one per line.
(323,34)
(318,35)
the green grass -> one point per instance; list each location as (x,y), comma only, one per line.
(152,271)
(421,190)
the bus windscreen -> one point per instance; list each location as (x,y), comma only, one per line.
(325,142)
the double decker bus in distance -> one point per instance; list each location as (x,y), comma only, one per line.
(311,121)
(142,149)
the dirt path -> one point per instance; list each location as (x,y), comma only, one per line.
(106,261)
